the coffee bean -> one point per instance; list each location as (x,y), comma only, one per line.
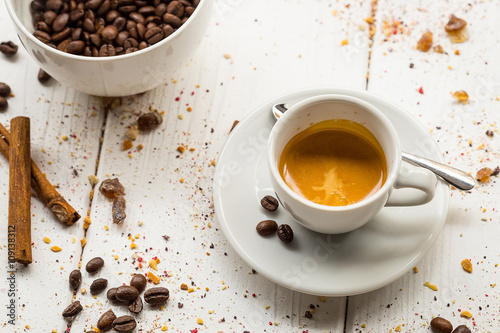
(269,203)
(8,48)
(43,76)
(3,104)
(106,320)
(104,8)
(149,121)
(161,9)
(4,90)
(60,22)
(107,50)
(54,5)
(141,30)
(98,285)
(130,42)
(267,227)
(37,6)
(138,281)
(72,310)
(137,17)
(76,35)
(76,47)
(75,279)
(157,295)
(126,293)
(111,294)
(135,306)
(62,35)
(93,4)
(441,325)
(285,233)
(109,33)
(76,15)
(173,20)
(94,265)
(124,324)
(147,11)
(154,35)
(461,329)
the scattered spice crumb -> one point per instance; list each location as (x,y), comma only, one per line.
(465,314)
(55,248)
(431,286)
(461,96)
(425,42)
(467,265)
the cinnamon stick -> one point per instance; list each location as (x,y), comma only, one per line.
(20,190)
(42,187)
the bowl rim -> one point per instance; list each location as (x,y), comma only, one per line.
(15,18)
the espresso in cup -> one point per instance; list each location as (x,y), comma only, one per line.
(334,163)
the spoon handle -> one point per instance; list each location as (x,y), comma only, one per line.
(458,178)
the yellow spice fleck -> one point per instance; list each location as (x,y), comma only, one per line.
(467,265)
(106,228)
(431,286)
(344,42)
(181,180)
(155,279)
(465,314)
(116,257)
(46,240)
(322,298)
(55,248)
(133,246)
(83,241)
(267,307)
(199,321)
(153,264)
(190,290)
(398,329)
(415,269)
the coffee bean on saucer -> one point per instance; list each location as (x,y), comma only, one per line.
(75,278)
(4,89)
(156,296)
(149,121)
(8,48)
(124,324)
(106,320)
(139,282)
(72,310)
(126,293)
(461,329)
(441,325)
(269,202)
(94,265)
(285,233)
(43,76)
(267,227)
(3,104)
(111,295)
(135,306)
(98,285)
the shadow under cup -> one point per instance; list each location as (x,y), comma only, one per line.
(333,219)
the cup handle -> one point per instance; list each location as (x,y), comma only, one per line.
(415,178)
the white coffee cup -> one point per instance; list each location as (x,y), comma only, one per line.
(341,219)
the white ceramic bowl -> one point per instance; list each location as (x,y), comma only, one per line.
(119,75)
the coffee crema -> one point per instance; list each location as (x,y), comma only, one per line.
(334,163)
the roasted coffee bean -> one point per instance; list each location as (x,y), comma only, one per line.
(109,33)
(138,281)
(111,294)
(93,4)
(142,45)
(75,279)
(141,30)
(94,265)
(137,17)
(38,6)
(285,233)
(95,39)
(42,36)
(149,121)
(43,26)
(161,9)
(75,47)
(130,42)
(3,104)
(98,285)
(77,34)
(120,23)
(135,306)
(157,295)
(121,38)
(267,227)
(54,5)
(147,10)
(76,15)
(441,325)
(107,50)
(49,17)
(189,11)
(167,30)
(269,203)
(72,310)
(461,329)
(173,20)
(62,35)
(60,22)
(124,324)
(154,35)
(106,320)
(43,76)
(175,8)
(4,90)
(88,25)
(104,8)
(126,293)
(8,48)
(63,46)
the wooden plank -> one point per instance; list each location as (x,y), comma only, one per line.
(398,71)
(253,51)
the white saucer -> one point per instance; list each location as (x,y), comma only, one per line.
(329,265)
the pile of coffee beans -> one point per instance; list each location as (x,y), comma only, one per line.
(4,93)
(102,28)
(269,227)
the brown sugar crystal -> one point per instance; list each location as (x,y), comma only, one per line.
(425,42)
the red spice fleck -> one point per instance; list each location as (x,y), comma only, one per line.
(270,324)
(177,99)
(253,295)
(194,331)
(192,93)
(420,90)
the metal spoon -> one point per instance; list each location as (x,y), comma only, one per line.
(458,178)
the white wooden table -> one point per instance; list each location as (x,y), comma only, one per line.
(254,51)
